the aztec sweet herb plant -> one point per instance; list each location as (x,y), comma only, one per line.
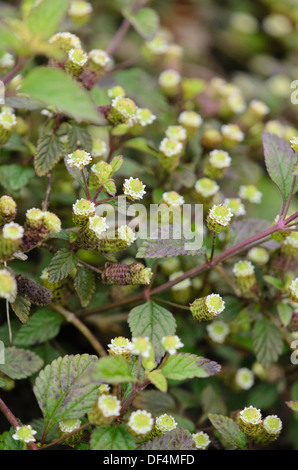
(83,136)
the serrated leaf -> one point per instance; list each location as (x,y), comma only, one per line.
(112,438)
(110,187)
(157,378)
(183,366)
(21,308)
(153,321)
(59,391)
(293,404)
(53,87)
(8,443)
(42,326)
(229,430)
(280,160)
(285,313)
(145,21)
(267,342)
(155,401)
(79,137)
(111,369)
(211,403)
(177,439)
(44,18)
(14,177)
(166,244)
(84,284)
(116,163)
(242,229)
(20,363)
(49,151)
(62,264)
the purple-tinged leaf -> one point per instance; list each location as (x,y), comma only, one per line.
(178,439)
(186,366)
(229,430)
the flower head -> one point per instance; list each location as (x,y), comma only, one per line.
(177,133)
(34,217)
(109,405)
(99,148)
(219,159)
(170,147)
(219,218)
(171,344)
(170,80)
(250,193)
(79,159)
(141,346)
(126,234)
(243,268)
(145,117)
(235,205)
(77,57)
(8,209)
(65,41)
(52,222)
(165,423)
(8,285)
(123,111)
(100,59)
(293,290)
(120,346)
(206,187)
(116,91)
(244,378)
(215,304)
(258,255)
(201,439)
(250,415)
(232,132)
(190,119)
(24,434)
(84,207)
(140,422)
(97,225)
(172,198)
(272,424)
(7,120)
(218,331)
(134,188)
(258,108)
(13,231)
(69,425)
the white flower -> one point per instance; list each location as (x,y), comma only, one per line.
(83,207)
(244,378)
(7,120)
(218,331)
(190,118)
(141,346)
(243,268)
(176,132)
(8,286)
(78,159)
(100,57)
(232,131)
(98,225)
(120,346)
(7,60)
(12,231)
(206,187)
(141,422)
(236,206)
(69,425)
(169,78)
(221,214)
(170,147)
(251,415)
(78,57)
(272,424)
(134,188)
(171,344)
(250,193)
(24,433)
(173,199)
(259,107)
(145,117)
(258,255)
(80,8)
(165,423)
(215,304)
(109,405)
(201,439)
(219,159)
(126,234)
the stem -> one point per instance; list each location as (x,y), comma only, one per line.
(173,304)
(48,192)
(129,399)
(213,246)
(14,421)
(97,193)
(86,186)
(108,199)
(290,197)
(8,316)
(17,68)
(110,306)
(89,266)
(71,318)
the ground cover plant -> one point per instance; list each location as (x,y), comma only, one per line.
(148,237)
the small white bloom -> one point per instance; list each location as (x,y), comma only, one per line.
(171,344)
(141,422)
(251,415)
(98,225)
(101,58)
(141,346)
(109,405)
(145,117)
(244,378)
(165,423)
(218,331)
(78,159)
(206,187)
(236,206)
(126,234)
(78,57)
(173,199)
(219,159)
(243,268)
(215,304)
(13,231)
(170,147)
(250,193)
(134,188)
(201,439)
(83,207)
(69,425)
(221,214)
(232,131)
(24,433)
(190,118)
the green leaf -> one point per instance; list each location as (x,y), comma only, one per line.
(84,284)
(280,160)
(110,187)
(293,405)
(54,87)
(21,308)
(43,20)
(22,102)
(8,443)
(263,395)
(211,403)
(116,163)
(285,313)
(79,137)
(177,439)
(49,151)
(229,430)
(112,438)
(154,321)
(14,177)
(59,391)
(186,366)
(62,264)
(42,326)
(143,145)
(274,281)
(20,364)
(145,21)
(157,378)
(267,342)
(111,369)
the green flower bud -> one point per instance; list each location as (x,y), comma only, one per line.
(120,346)
(201,439)
(191,121)
(52,222)
(270,431)
(169,81)
(8,209)
(124,237)
(171,151)
(258,255)
(250,421)
(99,61)
(211,138)
(141,346)
(82,210)
(76,61)
(100,173)
(219,218)
(216,164)
(105,410)
(116,92)
(10,239)
(163,424)
(99,149)
(244,273)
(176,133)
(8,286)
(140,423)
(123,111)
(65,41)
(207,308)
(69,425)
(80,12)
